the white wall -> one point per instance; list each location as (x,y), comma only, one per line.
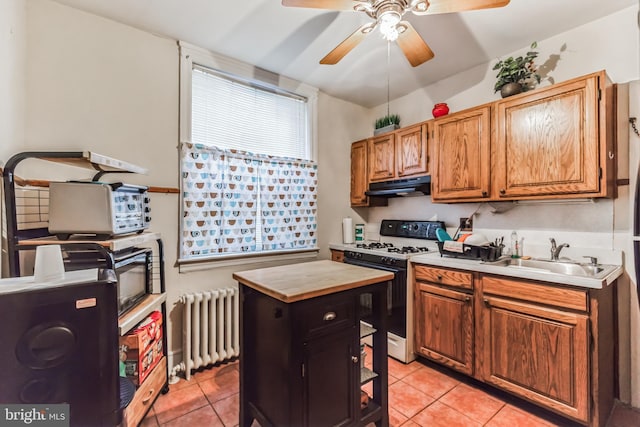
(13,30)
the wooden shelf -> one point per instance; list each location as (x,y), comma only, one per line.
(114,245)
(134,316)
(95,161)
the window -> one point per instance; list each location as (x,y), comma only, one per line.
(248,180)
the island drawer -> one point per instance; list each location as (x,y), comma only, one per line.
(326,315)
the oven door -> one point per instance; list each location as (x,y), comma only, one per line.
(396,297)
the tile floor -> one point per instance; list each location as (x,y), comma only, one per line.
(420,394)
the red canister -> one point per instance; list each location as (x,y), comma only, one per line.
(440,109)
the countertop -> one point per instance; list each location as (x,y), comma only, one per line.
(296,282)
(434,259)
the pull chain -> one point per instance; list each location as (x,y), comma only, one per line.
(632,120)
(388,73)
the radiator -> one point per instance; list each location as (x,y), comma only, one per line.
(211,331)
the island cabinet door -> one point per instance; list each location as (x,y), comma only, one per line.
(330,369)
(537,352)
(444,326)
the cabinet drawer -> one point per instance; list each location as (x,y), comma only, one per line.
(443,276)
(326,316)
(573,299)
(145,395)
(337,256)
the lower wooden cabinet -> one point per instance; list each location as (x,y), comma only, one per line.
(538,353)
(444,326)
(444,317)
(552,345)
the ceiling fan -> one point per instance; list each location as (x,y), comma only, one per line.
(387,16)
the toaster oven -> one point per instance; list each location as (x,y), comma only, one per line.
(97,208)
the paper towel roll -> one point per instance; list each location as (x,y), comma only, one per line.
(347,230)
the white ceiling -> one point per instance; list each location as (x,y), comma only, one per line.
(291,41)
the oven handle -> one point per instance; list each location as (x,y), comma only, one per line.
(373,265)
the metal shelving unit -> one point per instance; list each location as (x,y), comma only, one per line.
(26,210)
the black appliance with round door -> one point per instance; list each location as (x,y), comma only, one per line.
(60,345)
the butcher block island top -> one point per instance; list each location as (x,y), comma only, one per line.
(297,282)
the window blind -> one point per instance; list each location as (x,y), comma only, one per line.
(232,114)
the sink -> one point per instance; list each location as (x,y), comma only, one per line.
(567,268)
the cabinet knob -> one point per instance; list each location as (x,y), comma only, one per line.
(329,316)
(503,191)
(487,302)
(354,359)
(439,278)
(485,194)
(467,298)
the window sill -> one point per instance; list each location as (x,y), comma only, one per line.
(186,266)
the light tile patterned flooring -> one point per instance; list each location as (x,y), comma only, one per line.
(420,394)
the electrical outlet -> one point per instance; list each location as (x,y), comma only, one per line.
(466,224)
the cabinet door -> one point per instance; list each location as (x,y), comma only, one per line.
(460,167)
(539,353)
(382,158)
(444,326)
(547,142)
(359,178)
(330,371)
(411,151)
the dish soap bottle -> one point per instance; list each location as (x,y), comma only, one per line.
(515,253)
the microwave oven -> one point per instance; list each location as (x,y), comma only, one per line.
(133,269)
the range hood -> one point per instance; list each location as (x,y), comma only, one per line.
(400,187)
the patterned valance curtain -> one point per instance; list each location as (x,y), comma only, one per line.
(236,202)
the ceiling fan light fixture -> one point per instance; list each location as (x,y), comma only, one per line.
(388,21)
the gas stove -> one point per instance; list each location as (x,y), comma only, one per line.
(402,240)
(390,247)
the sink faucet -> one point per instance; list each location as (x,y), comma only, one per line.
(555,249)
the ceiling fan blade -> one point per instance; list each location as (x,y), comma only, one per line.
(321,4)
(348,44)
(450,6)
(413,46)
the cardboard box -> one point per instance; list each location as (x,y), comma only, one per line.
(141,349)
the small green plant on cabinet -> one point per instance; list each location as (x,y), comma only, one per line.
(391,119)
(520,70)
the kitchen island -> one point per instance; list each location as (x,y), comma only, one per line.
(300,332)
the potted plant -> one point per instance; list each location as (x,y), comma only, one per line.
(386,124)
(517,75)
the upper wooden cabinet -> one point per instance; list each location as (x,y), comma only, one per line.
(461,160)
(554,142)
(411,151)
(394,155)
(359,181)
(382,157)
(399,154)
